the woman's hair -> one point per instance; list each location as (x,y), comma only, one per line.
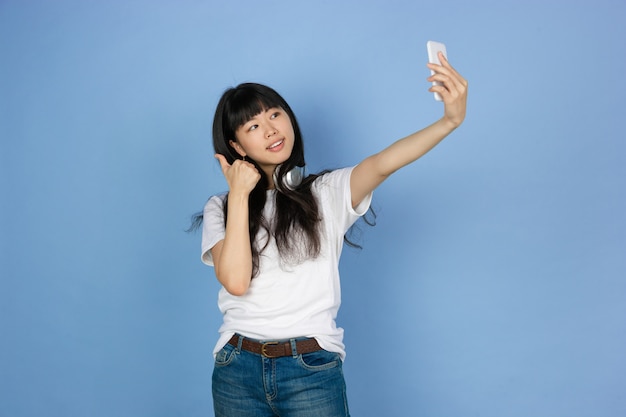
(295,226)
(296,221)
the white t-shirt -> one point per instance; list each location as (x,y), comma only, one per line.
(287,301)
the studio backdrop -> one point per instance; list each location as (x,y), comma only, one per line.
(494,281)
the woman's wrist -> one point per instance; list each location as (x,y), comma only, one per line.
(238,195)
(448,124)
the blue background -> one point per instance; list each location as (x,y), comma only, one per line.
(494,283)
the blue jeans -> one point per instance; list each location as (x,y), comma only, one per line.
(246,384)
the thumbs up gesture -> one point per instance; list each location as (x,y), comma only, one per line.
(241,176)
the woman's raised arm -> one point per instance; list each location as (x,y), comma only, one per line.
(232,257)
(372,171)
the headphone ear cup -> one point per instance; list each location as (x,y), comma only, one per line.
(292,178)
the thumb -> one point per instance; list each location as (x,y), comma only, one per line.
(223,162)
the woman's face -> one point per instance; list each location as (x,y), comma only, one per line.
(267,138)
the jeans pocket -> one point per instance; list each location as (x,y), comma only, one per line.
(226,355)
(319,361)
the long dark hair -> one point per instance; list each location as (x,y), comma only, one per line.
(295,226)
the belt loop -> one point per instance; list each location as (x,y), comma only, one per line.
(239,342)
(294,349)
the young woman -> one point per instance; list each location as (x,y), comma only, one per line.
(275,240)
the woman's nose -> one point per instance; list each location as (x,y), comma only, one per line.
(271,131)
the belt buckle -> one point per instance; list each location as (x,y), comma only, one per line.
(264,349)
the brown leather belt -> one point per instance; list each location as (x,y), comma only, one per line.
(275,349)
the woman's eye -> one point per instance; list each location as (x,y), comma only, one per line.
(253,127)
(275,115)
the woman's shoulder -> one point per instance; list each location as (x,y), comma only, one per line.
(215,201)
(333,177)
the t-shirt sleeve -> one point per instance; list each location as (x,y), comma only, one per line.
(213,226)
(335,194)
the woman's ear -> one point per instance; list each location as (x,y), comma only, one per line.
(237,147)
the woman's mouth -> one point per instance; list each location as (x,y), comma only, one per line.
(276,146)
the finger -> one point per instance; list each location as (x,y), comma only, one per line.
(442,91)
(449,78)
(445,86)
(447,92)
(457,78)
(223,162)
(444,65)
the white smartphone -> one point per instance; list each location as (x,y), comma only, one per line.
(433,57)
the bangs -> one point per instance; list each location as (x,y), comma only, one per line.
(248,102)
